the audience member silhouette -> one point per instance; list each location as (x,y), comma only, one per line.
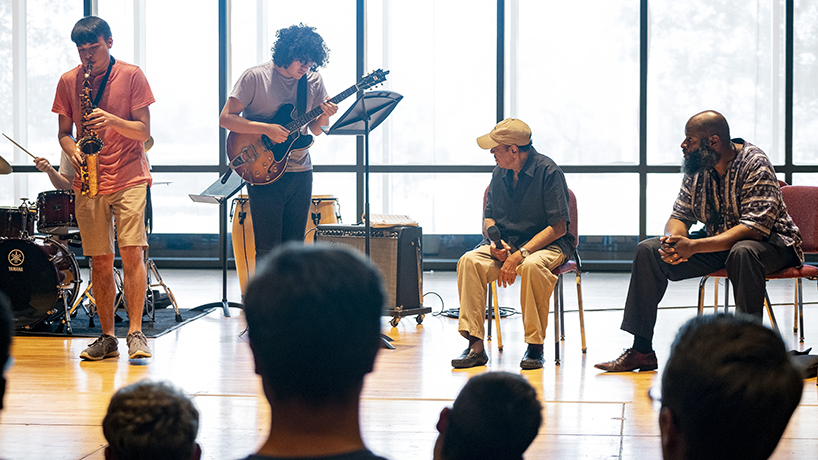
(496,416)
(153,421)
(314,321)
(6,332)
(728,390)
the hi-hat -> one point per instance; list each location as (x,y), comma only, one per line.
(5,167)
(149,143)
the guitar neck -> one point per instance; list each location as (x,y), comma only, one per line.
(297,123)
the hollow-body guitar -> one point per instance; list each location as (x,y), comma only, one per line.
(259,160)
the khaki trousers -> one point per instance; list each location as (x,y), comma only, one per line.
(476,269)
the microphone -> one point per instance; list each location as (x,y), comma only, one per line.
(494,235)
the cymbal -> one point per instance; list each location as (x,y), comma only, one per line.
(149,143)
(5,167)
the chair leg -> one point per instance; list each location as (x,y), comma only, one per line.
(801,307)
(497,316)
(581,311)
(770,313)
(701,293)
(556,326)
(795,304)
(726,294)
(562,309)
(715,295)
(488,311)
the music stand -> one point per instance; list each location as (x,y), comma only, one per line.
(369,111)
(218,193)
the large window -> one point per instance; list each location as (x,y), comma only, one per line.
(805,103)
(722,55)
(605,86)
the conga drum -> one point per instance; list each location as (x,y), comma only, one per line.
(244,242)
(324,209)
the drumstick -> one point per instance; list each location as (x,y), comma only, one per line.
(18,145)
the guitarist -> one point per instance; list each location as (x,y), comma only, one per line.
(280,208)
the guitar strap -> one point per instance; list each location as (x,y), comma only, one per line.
(301,96)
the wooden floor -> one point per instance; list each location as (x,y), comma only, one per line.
(55,402)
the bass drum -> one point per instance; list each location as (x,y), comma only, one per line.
(39,275)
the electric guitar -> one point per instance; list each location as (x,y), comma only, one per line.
(259,160)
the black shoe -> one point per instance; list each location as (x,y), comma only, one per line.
(470,359)
(532,359)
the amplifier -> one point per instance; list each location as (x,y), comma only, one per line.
(396,252)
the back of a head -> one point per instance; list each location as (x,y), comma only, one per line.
(6,332)
(89,29)
(301,296)
(730,387)
(496,416)
(151,420)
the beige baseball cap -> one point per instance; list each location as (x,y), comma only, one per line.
(510,131)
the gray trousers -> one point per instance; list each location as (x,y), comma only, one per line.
(747,263)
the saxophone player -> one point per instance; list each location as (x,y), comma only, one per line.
(107,100)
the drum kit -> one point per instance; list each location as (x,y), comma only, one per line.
(41,277)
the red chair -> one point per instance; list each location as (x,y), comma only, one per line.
(802,205)
(572,265)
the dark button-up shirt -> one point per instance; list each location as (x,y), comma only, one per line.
(539,200)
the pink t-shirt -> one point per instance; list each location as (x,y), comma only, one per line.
(122,161)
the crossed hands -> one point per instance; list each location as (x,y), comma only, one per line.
(675,249)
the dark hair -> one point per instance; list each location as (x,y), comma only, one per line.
(496,416)
(151,420)
(302,295)
(526,147)
(300,43)
(6,332)
(730,387)
(89,29)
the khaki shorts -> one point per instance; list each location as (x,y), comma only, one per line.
(96,218)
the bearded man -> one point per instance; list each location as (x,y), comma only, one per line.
(730,186)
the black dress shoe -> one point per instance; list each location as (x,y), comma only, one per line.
(532,359)
(470,359)
(631,360)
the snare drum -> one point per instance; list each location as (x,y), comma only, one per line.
(12,221)
(38,275)
(55,210)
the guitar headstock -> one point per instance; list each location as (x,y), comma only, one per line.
(372,79)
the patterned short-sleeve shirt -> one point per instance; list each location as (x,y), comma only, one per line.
(748,194)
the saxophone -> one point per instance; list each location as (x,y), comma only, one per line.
(90,143)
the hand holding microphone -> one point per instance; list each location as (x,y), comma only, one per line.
(501,250)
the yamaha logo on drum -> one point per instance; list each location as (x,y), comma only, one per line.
(16,258)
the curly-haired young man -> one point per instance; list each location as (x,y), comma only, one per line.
(280,208)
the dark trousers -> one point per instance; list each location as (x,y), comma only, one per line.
(747,263)
(280,210)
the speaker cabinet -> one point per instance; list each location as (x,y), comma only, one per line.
(396,252)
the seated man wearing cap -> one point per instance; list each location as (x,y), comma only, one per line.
(528,203)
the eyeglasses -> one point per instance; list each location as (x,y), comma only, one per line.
(304,65)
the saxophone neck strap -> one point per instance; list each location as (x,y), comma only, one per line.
(104,82)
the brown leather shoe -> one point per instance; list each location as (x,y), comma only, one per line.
(631,360)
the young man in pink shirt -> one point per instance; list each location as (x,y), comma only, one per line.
(121,119)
